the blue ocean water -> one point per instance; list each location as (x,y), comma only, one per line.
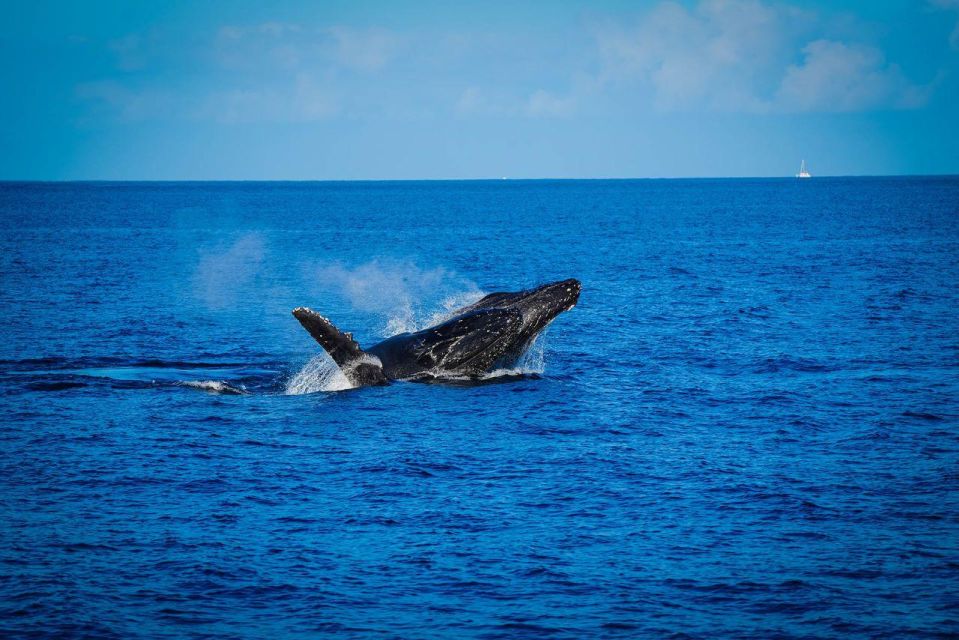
(748,426)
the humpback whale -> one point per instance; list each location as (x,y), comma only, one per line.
(489,334)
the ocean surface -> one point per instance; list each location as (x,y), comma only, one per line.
(747,427)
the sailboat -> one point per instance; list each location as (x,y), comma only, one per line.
(802,171)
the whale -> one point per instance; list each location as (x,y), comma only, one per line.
(490,334)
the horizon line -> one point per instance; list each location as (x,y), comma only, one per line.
(501,179)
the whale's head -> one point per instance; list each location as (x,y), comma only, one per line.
(537,307)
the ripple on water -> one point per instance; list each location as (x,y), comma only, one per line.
(746,427)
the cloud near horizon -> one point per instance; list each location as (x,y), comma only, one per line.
(740,56)
(835,76)
(659,88)
(272,72)
(750,56)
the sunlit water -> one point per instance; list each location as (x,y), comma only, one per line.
(747,426)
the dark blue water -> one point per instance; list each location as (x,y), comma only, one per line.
(749,426)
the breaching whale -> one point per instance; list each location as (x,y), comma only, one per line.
(486,335)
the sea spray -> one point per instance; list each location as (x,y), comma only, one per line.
(405,296)
(409,299)
(408,320)
(226,274)
(531,363)
(319,374)
(533,359)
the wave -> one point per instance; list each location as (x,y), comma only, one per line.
(60,364)
(55,386)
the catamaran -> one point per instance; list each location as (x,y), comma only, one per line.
(802,171)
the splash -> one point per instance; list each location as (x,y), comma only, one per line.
(223,275)
(404,295)
(533,361)
(409,322)
(408,299)
(319,374)
(322,373)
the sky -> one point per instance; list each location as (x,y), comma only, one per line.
(300,90)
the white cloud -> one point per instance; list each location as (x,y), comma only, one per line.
(741,55)
(302,100)
(476,101)
(721,53)
(954,6)
(298,99)
(835,76)
(472,101)
(270,29)
(544,103)
(129,51)
(129,104)
(293,46)
(538,104)
(364,49)
(266,72)
(753,56)
(269,45)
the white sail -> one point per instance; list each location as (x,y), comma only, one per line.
(802,171)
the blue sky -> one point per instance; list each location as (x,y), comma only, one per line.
(382,90)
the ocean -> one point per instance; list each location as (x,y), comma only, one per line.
(748,426)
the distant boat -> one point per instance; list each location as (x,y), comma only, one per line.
(802,171)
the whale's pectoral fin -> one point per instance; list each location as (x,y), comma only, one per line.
(470,343)
(360,368)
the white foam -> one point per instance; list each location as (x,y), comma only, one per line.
(319,374)
(401,320)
